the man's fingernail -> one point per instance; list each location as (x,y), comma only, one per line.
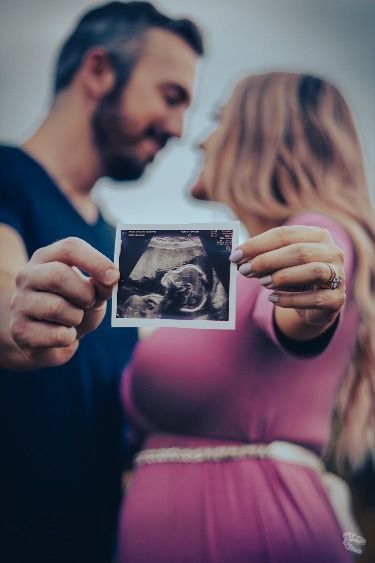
(111,276)
(245,269)
(273,298)
(236,255)
(92,304)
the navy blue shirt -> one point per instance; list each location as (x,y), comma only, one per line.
(60,428)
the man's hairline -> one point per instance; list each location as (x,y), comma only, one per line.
(141,40)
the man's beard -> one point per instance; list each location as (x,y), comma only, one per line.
(122,168)
(111,139)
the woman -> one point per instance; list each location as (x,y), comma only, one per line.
(285,157)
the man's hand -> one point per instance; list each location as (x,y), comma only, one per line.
(54,303)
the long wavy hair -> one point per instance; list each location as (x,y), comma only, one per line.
(288,144)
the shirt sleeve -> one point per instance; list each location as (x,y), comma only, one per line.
(264,309)
(13,206)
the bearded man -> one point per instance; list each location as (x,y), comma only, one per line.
(123,81)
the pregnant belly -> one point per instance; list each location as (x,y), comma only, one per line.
(238,511)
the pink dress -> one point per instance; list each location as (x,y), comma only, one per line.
(191,388)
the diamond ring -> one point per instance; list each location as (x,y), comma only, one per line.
(334,280)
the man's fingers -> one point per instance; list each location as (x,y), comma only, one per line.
(30,334)
(279,237)
(73,251)
(60,279)
(42,306)
(66,281)
(54,303)
(50,357)
(101,292)
(92,318)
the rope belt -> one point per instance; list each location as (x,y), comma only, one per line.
(336,489)
(284,451)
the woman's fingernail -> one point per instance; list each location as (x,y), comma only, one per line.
(266,280)
(236,255)
(245,269)
(111,276)
(273,298)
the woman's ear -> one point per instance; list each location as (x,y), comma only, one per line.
(97,73)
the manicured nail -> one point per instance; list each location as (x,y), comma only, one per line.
(266,280)
(111,276)
(236,255)
(273,298)
(245,269)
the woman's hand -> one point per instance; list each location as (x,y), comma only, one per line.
(305,270)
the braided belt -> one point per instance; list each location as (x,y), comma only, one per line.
(284,451)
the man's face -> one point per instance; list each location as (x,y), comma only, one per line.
(130,128)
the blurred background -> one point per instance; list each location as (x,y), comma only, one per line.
(332,38)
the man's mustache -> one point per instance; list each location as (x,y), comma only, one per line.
(161,137)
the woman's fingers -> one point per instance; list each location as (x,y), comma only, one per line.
(302,266)
(302,277)
(277,238)
(324,299)
(290,256)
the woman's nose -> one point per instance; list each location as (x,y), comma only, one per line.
(202,143)
(206,139)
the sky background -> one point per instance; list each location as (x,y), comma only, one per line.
(332,38)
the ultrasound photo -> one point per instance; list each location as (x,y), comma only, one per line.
(175,275)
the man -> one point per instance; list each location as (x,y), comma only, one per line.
(124,79)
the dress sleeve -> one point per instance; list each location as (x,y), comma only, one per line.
(264,309)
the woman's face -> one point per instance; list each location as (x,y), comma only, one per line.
(200,189)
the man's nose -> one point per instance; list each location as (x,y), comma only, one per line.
(175,124)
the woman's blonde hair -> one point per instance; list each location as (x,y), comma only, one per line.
(288,144)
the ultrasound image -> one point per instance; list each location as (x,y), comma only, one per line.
(174,274)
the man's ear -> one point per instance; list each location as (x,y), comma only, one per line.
(97,73)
